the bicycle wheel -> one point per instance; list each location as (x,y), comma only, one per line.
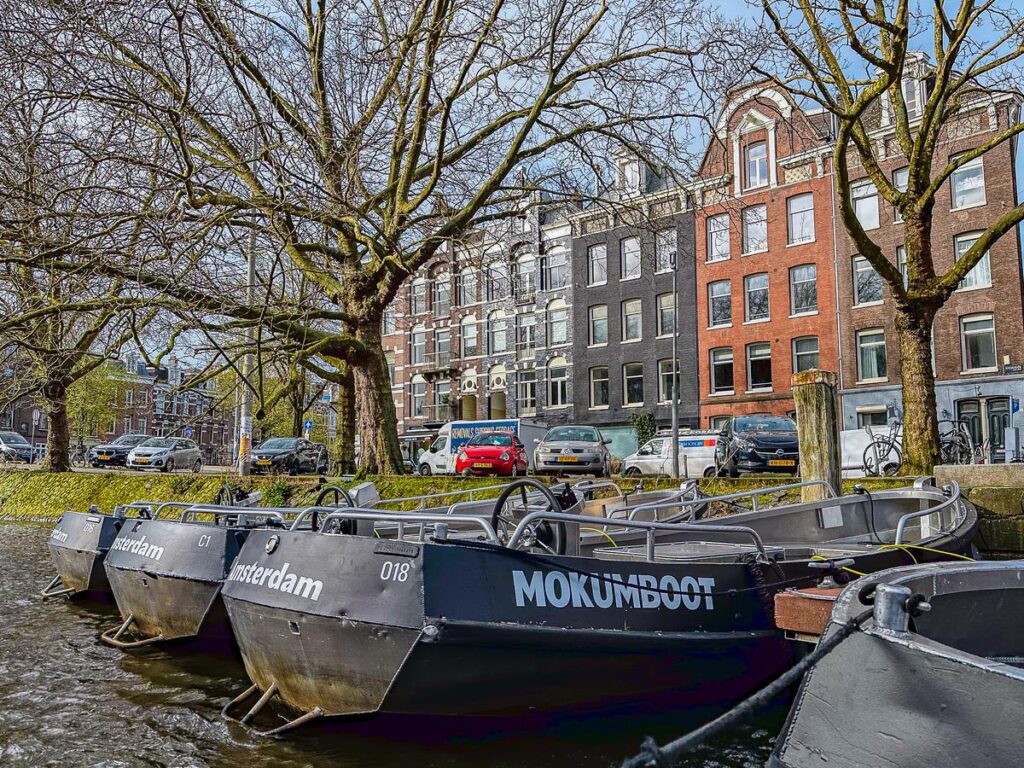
(881,456)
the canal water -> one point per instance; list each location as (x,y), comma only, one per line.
(66,700)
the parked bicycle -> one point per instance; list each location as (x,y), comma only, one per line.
(79,457)
(955,443)
(884,454)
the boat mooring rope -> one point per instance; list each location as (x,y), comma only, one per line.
(652,755)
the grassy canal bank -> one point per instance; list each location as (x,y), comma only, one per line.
(32,495)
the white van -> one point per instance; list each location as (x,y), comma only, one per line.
(439,459)
(696,456)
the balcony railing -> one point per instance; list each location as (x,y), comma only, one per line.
(525,349)
(435,361)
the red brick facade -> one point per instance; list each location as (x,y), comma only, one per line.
(766,152)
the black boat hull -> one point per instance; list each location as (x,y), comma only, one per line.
(78,545)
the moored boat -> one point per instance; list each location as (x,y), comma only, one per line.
(507,614)
(933,676)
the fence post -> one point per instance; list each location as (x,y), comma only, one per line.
(817,417)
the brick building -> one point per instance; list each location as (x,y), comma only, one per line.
(624,306)
(764,254)
(978,336)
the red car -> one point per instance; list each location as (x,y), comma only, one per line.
(492,453)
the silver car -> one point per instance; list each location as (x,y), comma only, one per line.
(573,449)
(166,454)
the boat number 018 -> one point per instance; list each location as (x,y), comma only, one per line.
(392,571)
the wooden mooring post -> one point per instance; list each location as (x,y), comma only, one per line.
(817,418)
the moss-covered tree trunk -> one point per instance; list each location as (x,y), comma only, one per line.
(377,424)
(920,414)
(58,426)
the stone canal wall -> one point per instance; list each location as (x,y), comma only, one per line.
(32,495)
(997,490)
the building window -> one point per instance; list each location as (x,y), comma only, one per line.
(389,324)
(755,229)
(443,346)
(901,264)
(803,289)
(389,360)
(497,281)
(718,237)
(127,425)
(558,382)
(468,332)
(968,184)
(419,396)
(666,314)
(665,391)
(629,258)
(871,355)
(467,287)
(980,275)
(800,214)
(719,303)
(597,264)
(629,176)
(911,97)
(978,342)
(526,335)
(664,249)
(129,396)
(872,416)
(864,197)
(442,397)
(756,164)
(900,180)
(419,296)
(526,392)
(759,366)
(632,320)
(144,396)
(867,283)
(599,324)
(718,423)
(599,387)
(721,371)
(526,269)
(558,323)
(755,287)
(142,425)
(556,269)
(442,294)
(419,346)
(633,384)
(497,333)
(805,353)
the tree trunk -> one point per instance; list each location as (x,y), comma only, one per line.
(58,427)
(346,421)
(379,451)
(920,414)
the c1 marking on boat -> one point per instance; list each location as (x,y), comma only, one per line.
(277,578)
(138,547)
(58,535)
(558,590)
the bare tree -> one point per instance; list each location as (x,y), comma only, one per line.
(359,138)
(852,58)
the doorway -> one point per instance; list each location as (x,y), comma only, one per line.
(986,419)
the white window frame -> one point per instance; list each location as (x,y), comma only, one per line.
(797,354)
(526,392)
(714,390)
(964,333)
(468,274)
(497,327)
(975,164)
(980,275)
(746,298)
(717,233)
(626,402)
(665,378)
(664,248)
(467,322)
(559,385)
(793,310)
(594,405)
(897,217)
(790,213)
(860,264)
(747,221)
(711,303)
(660,310)
(418,341)
(859,190)
(759,346)
(759,163)
(592,313)
(563,313)
(418,297)
(639,314)
(874,344)
(624,272)
(592,251)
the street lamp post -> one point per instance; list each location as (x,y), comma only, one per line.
(675,366)
(245,418)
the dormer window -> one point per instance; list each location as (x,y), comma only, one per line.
(912,96)
(629,176)
(756,164)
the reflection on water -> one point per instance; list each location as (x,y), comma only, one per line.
(65,700)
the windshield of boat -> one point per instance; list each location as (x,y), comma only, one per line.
(276,443)
(764,424)
(12,438)
(130,439)
(575,434)
(491,438)
(158,442)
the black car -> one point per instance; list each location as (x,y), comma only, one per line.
(293,455)
(114,454)
(758,444)
(16,446)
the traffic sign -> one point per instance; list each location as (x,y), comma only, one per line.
(308,425)
(187,432)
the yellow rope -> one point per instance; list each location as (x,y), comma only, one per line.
(848,570)
(603,533)
(928,549)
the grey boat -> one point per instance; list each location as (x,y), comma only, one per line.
(933,677)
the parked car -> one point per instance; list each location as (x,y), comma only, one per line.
(696,456)
(293,455)
(166,454)
(17,446)
(758,444)
(439,457)
(492,453)
(573,448)
(114,454)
